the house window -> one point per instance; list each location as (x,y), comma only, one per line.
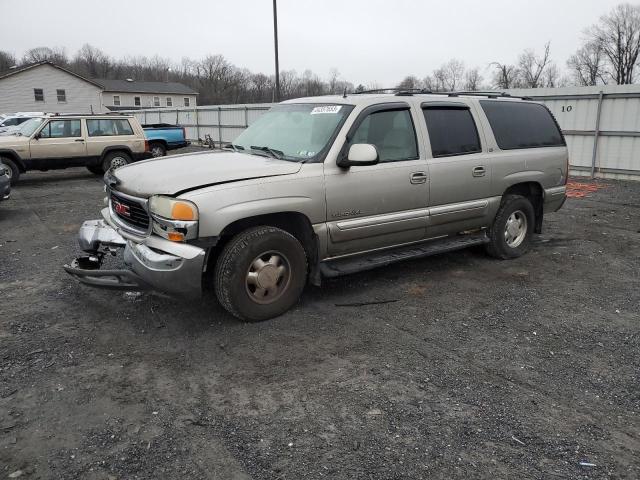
(169,102)
(116,100)
(136,101)
(38,93)
(156,101)
(187,101)
(62,96)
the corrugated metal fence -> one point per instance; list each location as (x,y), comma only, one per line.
(601,125)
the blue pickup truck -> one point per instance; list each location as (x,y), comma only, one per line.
(163,137)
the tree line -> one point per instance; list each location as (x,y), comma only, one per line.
(608,54)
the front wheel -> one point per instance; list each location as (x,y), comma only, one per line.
(510,234)
(14,171)
(260,274)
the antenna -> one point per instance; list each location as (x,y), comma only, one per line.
(344,94)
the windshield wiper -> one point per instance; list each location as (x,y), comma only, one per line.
(233,147)
(271,151)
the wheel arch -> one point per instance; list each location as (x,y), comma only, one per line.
(534,192)
(11,155)
(116,148)
(295,223)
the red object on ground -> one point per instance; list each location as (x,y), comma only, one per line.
(583,189)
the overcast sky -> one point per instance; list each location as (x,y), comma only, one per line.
(366,40)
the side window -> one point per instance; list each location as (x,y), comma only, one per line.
(109,127)
(392,132)
(522,125)
(452,131)
(61,129)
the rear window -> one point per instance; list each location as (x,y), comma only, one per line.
(452,131)
(109,127)
(522,125)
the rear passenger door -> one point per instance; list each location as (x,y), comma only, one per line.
(58,144)
(459,168)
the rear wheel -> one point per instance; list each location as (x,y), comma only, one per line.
(14,171)
(260,274)
(157,150)
(115,160)
(510,234)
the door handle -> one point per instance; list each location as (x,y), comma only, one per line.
(79,140)
(418,177)
(479,171)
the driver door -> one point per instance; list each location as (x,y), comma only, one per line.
(382,205)
(58,144)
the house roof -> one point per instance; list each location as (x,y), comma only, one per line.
(144,87)
(15,71)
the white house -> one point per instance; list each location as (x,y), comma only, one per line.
(46,87)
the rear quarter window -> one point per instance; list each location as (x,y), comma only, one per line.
(522,125)
(109,127)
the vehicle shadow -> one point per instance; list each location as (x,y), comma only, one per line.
(45,178)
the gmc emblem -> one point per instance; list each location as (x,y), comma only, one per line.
(121,209)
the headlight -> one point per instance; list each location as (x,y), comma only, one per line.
(175,220)
(173,209)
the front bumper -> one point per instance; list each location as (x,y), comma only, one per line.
(152,263)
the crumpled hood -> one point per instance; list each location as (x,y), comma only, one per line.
(178,173)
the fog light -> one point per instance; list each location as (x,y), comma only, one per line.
(175,236)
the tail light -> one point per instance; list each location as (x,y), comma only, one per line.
(146,145)
(184,133)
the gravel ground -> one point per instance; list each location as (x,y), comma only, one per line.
(477,368)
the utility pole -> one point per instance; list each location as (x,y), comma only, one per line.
(275,38)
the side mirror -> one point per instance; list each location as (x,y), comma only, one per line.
(360,154)
(37,136)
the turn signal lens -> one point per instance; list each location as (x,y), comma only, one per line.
(175,236)
(182,211)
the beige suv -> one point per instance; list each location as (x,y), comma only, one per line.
(326,186)
(98,142)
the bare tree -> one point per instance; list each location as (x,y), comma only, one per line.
(45,54)
(472,79)
(92,61)
(532,66)
(505,76)
(618,34)
(453,74)
(588,64)
(409,82)
(7,60)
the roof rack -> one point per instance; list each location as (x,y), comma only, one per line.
(403,92)
(76,114)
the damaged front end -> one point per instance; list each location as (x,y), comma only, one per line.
(151,263)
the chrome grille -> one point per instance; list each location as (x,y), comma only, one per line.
(129,211)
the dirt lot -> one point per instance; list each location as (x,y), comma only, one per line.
(477,369)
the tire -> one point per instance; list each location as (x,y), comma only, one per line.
(114,160)
(96,169)
(157,150)
(238,274)
(505,241)
(14,173)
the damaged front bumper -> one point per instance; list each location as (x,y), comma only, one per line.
(152,263)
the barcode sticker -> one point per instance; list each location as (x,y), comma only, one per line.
(326,109)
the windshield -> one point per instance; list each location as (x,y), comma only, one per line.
(30,126)
(296,132)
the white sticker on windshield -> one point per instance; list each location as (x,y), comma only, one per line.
(326,109)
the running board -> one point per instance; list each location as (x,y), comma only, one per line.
(380,258)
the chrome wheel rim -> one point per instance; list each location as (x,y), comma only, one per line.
(268,277)
(515,229)
(8,172)
(156,152)
(117,162)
